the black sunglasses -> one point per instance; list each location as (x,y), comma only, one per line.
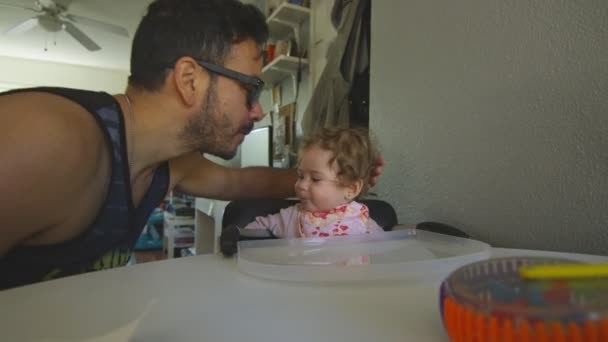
(254,85)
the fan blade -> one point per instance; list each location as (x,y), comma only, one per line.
(63,3)
(81,37)
(19,7)
(121,31)
(23,26)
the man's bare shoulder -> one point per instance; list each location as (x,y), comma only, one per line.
(50,149)
(41,127)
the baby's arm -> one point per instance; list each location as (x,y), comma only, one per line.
(264,222)
(373,227)
(275,223)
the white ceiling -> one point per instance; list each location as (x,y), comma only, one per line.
(115,50)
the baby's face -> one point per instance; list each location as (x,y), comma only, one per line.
(317,187)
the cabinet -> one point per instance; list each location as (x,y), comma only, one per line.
(208,224)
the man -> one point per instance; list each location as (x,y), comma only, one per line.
(80,172)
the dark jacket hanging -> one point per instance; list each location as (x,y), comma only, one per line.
(347,57)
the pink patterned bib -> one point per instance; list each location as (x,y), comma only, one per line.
(347,219)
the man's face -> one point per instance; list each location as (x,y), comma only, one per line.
(224,119)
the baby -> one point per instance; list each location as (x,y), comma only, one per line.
(333,171)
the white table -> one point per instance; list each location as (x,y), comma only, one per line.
(206,298)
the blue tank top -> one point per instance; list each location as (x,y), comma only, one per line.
(109,240)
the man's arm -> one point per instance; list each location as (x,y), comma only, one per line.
(196,175)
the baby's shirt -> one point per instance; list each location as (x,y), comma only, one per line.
(293,222)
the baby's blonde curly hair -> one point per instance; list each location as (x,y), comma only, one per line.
(353,153)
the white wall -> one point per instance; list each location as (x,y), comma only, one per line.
(19,73)
(493,116)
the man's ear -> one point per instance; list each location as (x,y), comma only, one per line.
(189,83)
(354,189)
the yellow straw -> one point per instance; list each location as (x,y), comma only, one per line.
(564,271)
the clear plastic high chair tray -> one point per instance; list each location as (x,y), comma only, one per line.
(397,255)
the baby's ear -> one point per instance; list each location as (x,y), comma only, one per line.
(355,188)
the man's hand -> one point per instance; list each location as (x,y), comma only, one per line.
(378,163)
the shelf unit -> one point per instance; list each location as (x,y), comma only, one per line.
(287,19)
(292,23)
(281,68)
(285,22)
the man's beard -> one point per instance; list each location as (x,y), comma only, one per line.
(206,132)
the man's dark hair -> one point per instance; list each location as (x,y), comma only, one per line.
(204,29)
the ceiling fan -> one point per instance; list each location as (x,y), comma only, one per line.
(53,16)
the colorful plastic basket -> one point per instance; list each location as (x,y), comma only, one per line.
(489,301)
